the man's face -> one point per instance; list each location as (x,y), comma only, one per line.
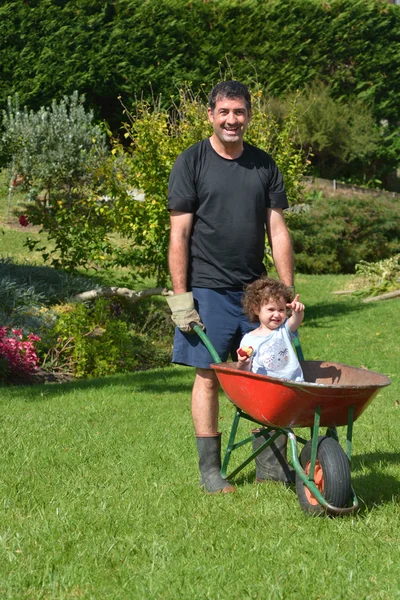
(229,119)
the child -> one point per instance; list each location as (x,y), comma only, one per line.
(268,349)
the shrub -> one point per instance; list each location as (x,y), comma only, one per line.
(53,148)
(59,153)
(17,353)
(96,341)
(379,277)
(137,48)
(338,135)
(335,234)
(108,336)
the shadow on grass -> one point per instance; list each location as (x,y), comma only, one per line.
(157,381)
(51,284)
(319,312)
(376,487)
(44,278)
(25,272)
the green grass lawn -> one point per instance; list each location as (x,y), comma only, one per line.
(100,499)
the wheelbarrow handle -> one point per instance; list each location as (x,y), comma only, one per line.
(214,354)
(297,347)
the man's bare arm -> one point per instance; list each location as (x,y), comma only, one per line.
(281,245)
(178,255)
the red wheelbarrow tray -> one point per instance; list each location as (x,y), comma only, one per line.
(273,402)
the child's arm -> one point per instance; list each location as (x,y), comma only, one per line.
(297,315)
(244,361)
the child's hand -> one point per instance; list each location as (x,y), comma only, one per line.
(244,354)
(296,306)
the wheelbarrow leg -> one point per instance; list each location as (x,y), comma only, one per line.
(271,463)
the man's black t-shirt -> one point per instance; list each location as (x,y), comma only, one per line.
(228,199)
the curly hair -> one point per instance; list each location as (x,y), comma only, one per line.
(260,292)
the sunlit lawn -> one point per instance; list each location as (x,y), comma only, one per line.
(100,499)
(99,482)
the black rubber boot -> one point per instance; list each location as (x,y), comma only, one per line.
(271,463)
(209,449)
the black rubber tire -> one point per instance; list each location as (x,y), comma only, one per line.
(336,476)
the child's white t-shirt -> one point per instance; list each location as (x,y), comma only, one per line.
(274,354)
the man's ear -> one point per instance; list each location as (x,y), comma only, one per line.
(210,114)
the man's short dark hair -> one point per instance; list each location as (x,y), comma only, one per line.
(231,90)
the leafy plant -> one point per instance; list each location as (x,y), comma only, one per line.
(95,341)
(335,133)
(335,234)
(379,277)
(17,353)
(53,148)
(58,153)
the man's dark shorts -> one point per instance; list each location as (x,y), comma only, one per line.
(222,314)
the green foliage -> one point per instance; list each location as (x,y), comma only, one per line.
(52,148)
(61,156)
(97,340)
(133,47)
(332,235)
(335,133)
(379,277)
(109,336)
(136,48)
(90,341)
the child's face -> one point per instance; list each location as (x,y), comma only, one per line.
(273,313)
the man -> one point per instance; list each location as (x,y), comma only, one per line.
(223,195)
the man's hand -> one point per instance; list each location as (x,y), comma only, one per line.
(292,290)
(184,312)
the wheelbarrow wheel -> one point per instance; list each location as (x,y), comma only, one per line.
(331,476)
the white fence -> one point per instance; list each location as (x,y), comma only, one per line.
(338,185)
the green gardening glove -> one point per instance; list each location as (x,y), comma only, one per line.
(184,312)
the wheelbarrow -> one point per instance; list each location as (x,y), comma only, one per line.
(333,395)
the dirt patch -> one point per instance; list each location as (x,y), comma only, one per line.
(39,377)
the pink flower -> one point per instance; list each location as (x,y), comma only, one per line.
(33,338)
(23,220)
(19,353)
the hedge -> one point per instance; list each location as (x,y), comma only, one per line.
(104,48)
(336,233)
